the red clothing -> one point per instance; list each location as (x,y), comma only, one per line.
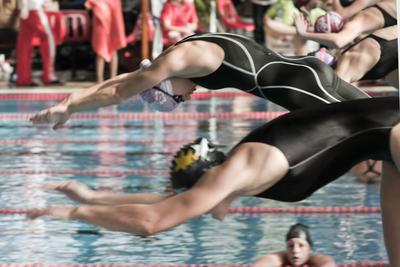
(108,34)
(35,26)
(178,14)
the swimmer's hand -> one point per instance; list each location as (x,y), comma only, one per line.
(72,189)
(57,212)
(301,23)
(56,115)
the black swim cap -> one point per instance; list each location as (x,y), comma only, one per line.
(299,230)
(192,161)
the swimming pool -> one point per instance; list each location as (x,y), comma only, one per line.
(105,151)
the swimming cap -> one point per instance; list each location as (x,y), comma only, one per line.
(160,97)
(192,161)
(330,22)
(299,230)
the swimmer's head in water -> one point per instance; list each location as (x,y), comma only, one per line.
(160,97)
(192,161)
(299,230)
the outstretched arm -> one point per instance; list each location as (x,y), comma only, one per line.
(107,93)
(145,219)
(83,194)
(184,61)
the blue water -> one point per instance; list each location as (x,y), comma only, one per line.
(238,239)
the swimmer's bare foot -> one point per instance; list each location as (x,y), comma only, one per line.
(72,189)
(58,212)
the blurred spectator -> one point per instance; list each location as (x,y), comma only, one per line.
(108,34)
(372,18)
(179,19)
(259,9)
(298,251)
(8,26)
(34,24)
(5,69)
(279,22)
(8,14)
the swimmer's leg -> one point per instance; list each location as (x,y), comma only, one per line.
(390,199)
(349,91)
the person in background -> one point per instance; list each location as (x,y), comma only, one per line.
(34,24)
(298,251)
(108,34)
(259,9)
(279,22)
(178,19)
(373,18)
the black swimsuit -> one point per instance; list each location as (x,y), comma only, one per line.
(291,82)
(323,143)
(387,62)
(388,19)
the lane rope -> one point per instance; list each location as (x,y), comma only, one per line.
(261,115)
(91,142)
(355,264)
(83,172)
(267,210)
(196,96)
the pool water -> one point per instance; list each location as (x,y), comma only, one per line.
(119,145)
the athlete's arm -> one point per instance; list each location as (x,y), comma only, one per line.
(226,181)
(271,260)
(353,9)
(23,9)
(350,31)
(84,194)
(177,62)
(144,219)
(322,261)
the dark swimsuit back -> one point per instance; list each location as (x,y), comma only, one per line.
(388,60)
(388,19)
(323,143)
(291,82)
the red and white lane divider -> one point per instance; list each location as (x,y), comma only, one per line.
(199,95)
(91,142)
(49,97)
(267,115)
(83,172)
(267,210)
(355,264)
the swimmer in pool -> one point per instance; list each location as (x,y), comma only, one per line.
(286,159)
(298,252)
(214,61)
